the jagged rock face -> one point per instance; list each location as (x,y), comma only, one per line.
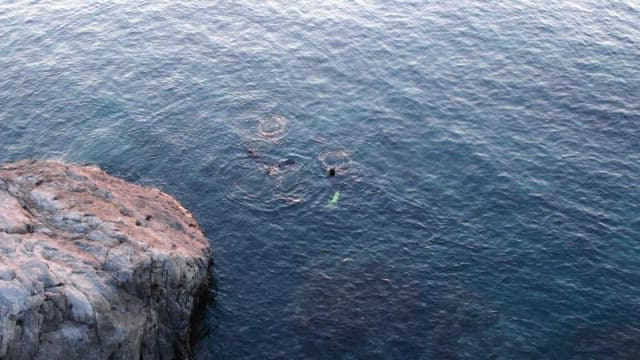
(93,267)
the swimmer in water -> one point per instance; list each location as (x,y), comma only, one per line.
(332,171)
(272,170)
(287,162)
(275,169)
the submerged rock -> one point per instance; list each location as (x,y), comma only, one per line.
(93,267)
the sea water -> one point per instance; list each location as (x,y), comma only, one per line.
(487,157)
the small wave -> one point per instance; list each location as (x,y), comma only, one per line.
(273,127)
(339,159)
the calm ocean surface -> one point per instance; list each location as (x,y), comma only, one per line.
(487,156)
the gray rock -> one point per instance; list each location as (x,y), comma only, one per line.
(80,280)
(7,274)
(13,218)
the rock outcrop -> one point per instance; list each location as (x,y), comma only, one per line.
(93,267)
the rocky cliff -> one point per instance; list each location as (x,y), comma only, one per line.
(93,267)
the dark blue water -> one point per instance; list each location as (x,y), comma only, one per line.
(487,157)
